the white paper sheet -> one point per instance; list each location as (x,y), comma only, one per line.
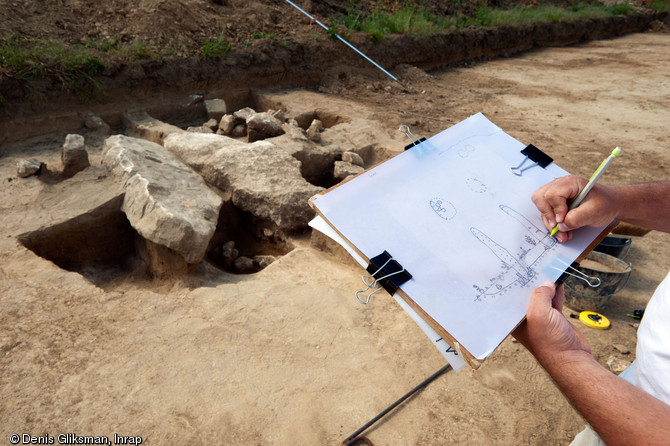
(454,215)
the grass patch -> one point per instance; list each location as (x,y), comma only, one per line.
(547,13)
(260,35)
(75,66)
(409,19)
(215,47)
(415,20)
(28,59)
(660,5)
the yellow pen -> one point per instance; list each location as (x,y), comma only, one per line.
(592,181)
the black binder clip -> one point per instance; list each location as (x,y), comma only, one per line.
(386,272)
(415,141)
(534,154)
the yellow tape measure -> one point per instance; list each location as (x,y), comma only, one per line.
(594,320)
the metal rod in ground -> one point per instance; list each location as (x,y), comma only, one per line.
(394,405)
(343,40)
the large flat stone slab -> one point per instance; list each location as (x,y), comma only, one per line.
(140,124)
(263,179)
(165,201)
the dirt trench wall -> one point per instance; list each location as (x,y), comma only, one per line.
(469,44)
(268,63)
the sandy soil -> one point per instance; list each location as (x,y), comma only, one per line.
(287,356)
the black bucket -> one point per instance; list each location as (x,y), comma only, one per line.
(613,274)
(615,246)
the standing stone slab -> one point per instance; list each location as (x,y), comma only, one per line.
(165,201)
(73,155)
(264,180)
(216,108)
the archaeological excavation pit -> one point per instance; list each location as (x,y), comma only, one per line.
(258,221)
(102,246)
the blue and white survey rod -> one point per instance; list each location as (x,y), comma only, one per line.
(345,42)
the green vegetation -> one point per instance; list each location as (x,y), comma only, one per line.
(660,5)
(260,35)
(414,20)
(547,13)
(75,66)
(409,19)
(216,47)
(27,59)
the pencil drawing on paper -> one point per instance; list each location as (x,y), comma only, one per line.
(443,208)
(466,150)
(476,185)
(518,269)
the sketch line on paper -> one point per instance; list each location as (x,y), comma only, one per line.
(516,269)
(457,143)
(476,185)
(443,208)
(466,150)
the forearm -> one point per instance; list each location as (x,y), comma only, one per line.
(646,205)
(621,413)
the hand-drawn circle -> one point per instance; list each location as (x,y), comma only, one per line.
(466,150)
(443,208)
(475,185)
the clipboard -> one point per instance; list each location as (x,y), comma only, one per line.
(453,213)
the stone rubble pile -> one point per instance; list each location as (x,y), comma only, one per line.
(175,180)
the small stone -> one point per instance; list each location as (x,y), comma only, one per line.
(262,126)
(294,132)
(227,124)
(343,169)
(264,260)
(95,123)
(74,155)
(229,254)
(313,133)
(279,114)
(239,130)
(353,158)
(26,168)
(245,265)
(244,113)
(212,124)
(656,25)
(621,348)
(216,108)
(191,109)
(199,129)
(617,365)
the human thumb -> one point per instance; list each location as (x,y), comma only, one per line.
(540,302)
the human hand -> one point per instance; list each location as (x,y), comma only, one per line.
(546,333)
(599,208)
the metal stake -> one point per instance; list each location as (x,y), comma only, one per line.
(354,437)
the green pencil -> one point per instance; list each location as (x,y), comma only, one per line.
(592,181)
